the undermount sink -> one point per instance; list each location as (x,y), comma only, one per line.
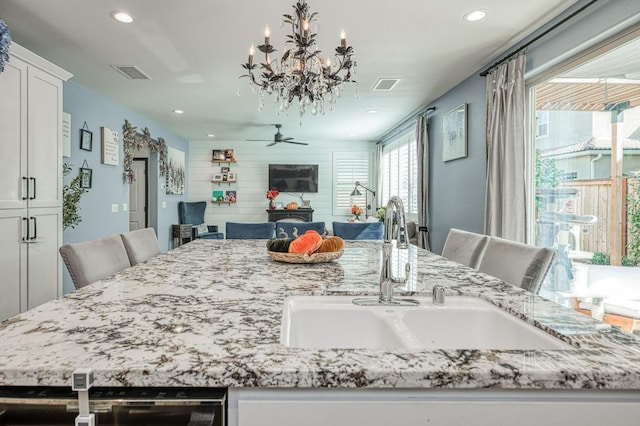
(325,322)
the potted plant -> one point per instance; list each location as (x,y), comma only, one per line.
(71,194)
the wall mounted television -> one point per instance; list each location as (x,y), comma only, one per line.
(293,177)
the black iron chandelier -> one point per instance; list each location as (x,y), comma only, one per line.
(301,72)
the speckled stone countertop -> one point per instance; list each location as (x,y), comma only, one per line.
(209,314)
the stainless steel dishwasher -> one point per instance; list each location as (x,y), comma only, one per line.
(53,406)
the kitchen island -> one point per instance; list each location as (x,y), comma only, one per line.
(208,314)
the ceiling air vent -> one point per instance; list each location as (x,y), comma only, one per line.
(131,71)
(386,84)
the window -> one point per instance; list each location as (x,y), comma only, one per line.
(399,173)
(542,124)
(586,195)
(349,168)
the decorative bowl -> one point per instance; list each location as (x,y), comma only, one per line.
(305,258)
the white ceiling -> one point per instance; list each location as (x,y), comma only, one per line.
(193,51)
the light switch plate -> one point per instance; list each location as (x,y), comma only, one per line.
(125,207)
(114,208)
(164,204)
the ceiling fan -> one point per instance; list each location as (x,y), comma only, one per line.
(278,138)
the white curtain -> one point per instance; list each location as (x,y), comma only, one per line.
(422,140)
(505,208)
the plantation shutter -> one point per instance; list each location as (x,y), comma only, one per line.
(347,170)
(400,172)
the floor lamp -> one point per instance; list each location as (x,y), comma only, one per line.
(355,192)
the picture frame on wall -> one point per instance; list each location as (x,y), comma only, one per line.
(85,177)
(110,146)
(86,140)
(454,134)
(218,155)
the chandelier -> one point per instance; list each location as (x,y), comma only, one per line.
(301,72)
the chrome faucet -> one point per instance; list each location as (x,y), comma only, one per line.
(402,225)
(387,281)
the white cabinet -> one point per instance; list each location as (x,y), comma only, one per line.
(433,407)
(31,184)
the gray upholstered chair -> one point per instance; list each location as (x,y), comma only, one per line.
(192,212)
(359,230)
(141,244)
(412,232)
(519,264)
(302,227)
(465,247)
(246,231)
(91,261)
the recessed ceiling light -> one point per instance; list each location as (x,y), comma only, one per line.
(210,135)
(372,111)
(122,16)
(178,111)
(475,15)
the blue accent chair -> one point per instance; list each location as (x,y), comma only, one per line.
(193,213)
(358,231)
(302,227)
(246,231)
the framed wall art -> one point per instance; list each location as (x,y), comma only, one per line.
(86,140)
(175,176)
(454,134)
(218,155)
(85,177)
(66,134)
(110,146)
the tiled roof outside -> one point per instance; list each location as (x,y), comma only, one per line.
(593,144)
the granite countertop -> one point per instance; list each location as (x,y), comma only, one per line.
(208,314)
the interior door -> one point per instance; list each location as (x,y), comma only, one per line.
(138,196)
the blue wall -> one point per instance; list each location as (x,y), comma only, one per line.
(457,188)
(107,185)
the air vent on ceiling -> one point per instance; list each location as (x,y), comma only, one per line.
(386,84)
(131,71)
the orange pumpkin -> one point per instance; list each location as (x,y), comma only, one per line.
(331,244)
(307,243)
(292,206)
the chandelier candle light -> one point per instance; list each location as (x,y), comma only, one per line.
(301,72)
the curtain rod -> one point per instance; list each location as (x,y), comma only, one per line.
(404,124)
(510,55)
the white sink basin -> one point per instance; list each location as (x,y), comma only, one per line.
(461,323)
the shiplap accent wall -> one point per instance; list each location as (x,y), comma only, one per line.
(251,167)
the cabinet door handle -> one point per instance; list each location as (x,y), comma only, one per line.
(35,227)
(33,197)
(25,238)
(25,183)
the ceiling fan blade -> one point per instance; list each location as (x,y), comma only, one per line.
(259,140)
(297,143)
(272,143)
(287,139)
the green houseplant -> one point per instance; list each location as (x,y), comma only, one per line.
(71,194)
